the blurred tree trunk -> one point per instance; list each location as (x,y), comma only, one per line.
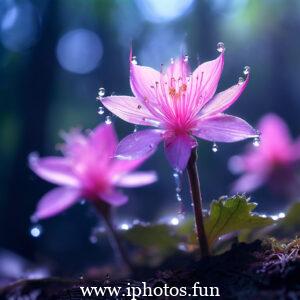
(36,82)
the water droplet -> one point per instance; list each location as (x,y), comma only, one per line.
(93,239)
(107,279)
(135,128)
(246,70)
(256,141)
(241,80)
(82,202)
(134,60)
(186,58)
(36,231)
(101,92)
(108,120)
(220,47)
(172,60)
(281,215)
(215,148)
(139,106)
(101,110)
(174,221)
(178,183)
(124,226)
(178,197)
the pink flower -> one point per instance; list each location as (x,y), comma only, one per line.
(180,106)
(87,170)
(271,162)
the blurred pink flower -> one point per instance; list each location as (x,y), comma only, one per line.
(180,105)
(271,162)
(87,170)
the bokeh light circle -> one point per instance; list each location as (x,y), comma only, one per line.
(79,51)
(158,11)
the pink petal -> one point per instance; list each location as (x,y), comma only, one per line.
(178,69)
(225,99)
(142,81)
(137,179)
(56,201)
(56,170)
(103,140)
(208,75)
(114,198)
(130,109)
(140,144)
(120,166)
(247,183)
(224,128)
(178,150)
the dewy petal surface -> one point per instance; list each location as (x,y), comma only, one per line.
(113,197)
(137,179)
(56,201)
(129,109)
(142,81)
(139,144)
(208,75)
(56,170)
(178,150)
(223,100)
(224,128)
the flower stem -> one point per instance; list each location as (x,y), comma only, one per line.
(121,256)
(197,202)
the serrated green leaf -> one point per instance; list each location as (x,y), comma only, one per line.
(232,214)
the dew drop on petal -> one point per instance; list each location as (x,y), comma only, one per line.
(134,60)
(108,120)
(101,92)
(101,110)
(220,47)
(246,70)
(36,231)
(215,148)
(241,80)
(256,142)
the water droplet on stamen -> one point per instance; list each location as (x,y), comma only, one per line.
(220,47)
(108,120)
(186,58)
(101,92)
(134,60)
(241,80)
(215,148)
(36,231)
(101,110)
(246,70)
(256,141)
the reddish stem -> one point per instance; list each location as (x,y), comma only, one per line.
(197,202)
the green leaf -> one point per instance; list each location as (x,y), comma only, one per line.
(232,214)
(160,236)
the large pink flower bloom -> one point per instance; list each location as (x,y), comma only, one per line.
(271,162)
(87,170)
(180,105)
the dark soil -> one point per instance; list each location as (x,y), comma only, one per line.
(248,271)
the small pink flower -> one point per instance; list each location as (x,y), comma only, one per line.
(87,170)
(180,106)
(271,162)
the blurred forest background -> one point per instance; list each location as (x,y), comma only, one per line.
(55,54)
